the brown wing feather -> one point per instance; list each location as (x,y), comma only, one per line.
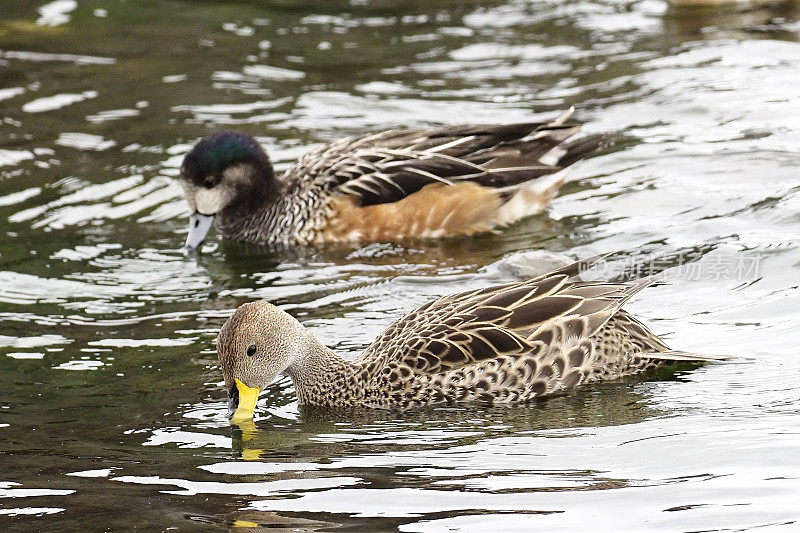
(505,321)
(513,342)
(388,166)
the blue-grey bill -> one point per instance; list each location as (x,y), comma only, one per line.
(199,225)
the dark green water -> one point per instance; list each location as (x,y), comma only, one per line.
(112,411)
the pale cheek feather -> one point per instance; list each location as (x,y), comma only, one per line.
(189,191)
(210,201)
(241,173)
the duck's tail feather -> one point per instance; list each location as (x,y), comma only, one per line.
(679,355)
(582,147)
(575,269)
(524,162)
(523,181)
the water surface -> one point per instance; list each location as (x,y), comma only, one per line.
(111,404)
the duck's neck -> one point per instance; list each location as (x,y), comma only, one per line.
(255,215)
(285,215)
(254,224)
(323,378)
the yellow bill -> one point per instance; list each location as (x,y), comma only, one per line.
(243,402)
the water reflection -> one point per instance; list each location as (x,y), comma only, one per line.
(370,431)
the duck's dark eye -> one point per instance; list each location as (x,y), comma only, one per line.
(251,351)
(208,183)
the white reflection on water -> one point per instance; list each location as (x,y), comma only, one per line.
(25,355)
(6,491)
(100,472)
(81,364)
(17,511)
(261,488)
(49,103)
(13,157)
(56,13)
(186,439)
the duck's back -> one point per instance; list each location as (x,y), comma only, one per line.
(423,183)
(511,344)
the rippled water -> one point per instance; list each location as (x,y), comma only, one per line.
(112,410)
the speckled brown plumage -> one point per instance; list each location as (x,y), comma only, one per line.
(392,185)
(503,344)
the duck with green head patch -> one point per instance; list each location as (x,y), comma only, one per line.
(227,174)
(500,345)
(393,185)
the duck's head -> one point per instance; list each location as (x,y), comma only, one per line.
(256,344)
(227,171)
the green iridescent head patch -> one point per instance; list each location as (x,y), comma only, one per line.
(216,152)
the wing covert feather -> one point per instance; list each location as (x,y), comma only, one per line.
(505,321)
(391,165)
